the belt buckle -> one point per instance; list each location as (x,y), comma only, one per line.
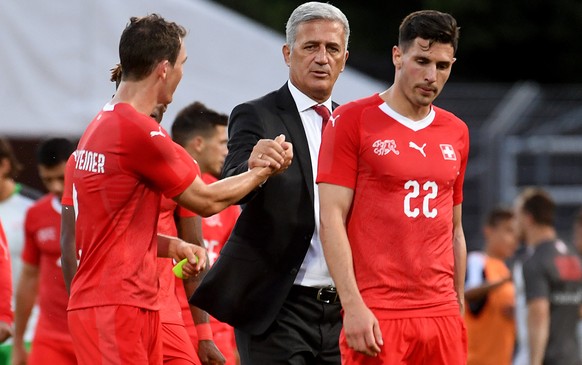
(323,292)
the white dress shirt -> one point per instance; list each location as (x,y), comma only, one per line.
(313,271)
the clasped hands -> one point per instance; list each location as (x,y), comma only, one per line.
(273,155)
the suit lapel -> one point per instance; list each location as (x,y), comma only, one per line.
(292,120)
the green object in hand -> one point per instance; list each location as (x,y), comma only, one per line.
(178,268)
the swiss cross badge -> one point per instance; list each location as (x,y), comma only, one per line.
(448,152)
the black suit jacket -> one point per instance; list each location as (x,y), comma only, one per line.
(249,282)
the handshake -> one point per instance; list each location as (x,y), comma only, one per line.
(271,156)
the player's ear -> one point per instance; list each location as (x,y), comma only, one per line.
(162,69)
(198,143)
(397,57)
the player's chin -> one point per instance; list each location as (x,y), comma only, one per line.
(425,100)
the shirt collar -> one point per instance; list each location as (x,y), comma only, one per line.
(303,101)
(56,204)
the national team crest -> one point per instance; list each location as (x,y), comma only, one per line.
(448,152)
(384,147)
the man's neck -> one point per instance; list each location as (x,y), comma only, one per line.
(491,253)
(539,234)
(7,188)
(398,102)
(139,94)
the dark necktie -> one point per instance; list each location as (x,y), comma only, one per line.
(323,113)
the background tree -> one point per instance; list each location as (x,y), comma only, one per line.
(501,41)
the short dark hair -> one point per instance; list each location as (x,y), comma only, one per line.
(196,120)
(497,216)
(539,204)
(54,151)
(6,152)
(145,42)
(431,25)
(116,75)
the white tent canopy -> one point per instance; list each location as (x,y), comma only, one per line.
(56,56)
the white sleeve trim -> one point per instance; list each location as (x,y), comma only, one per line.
(475,267)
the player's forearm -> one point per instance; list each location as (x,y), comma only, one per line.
(26,293)
(177,249)
(460,256)
(166,246)
(190,285)
(207,200)
(338,256)
(68,245)
(538,328)
(6,314)
(335,203)
(69,267)
(482,290)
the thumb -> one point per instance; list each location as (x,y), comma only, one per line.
(191,256)
(280,138)
(378,334)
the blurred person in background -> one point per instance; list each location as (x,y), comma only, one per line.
(553,282)
(15,199)
(6,315)
(490,294)
(202,132)
(41,278)
(577,239)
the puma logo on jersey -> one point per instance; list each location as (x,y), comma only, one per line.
(157,133)
(384,147)
(419,149)
(332,119)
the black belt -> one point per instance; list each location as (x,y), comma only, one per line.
(326,295)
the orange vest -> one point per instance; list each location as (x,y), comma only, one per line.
(491,333)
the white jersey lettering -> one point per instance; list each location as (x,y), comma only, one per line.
(90,161)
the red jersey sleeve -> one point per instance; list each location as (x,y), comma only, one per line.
(464,149)
(181,211)
(6,314)
(67,198)
(338,155)
(154,155)
(31,252)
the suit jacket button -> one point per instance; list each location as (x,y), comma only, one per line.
(294,271)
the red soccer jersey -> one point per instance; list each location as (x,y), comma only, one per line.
(6,314)
(42,249)
(215,232)
(124,161)
(170,303)
(406,176)
(217,228)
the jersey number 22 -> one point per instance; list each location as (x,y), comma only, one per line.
(430,191)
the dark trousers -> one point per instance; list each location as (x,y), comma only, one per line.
(306,331)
